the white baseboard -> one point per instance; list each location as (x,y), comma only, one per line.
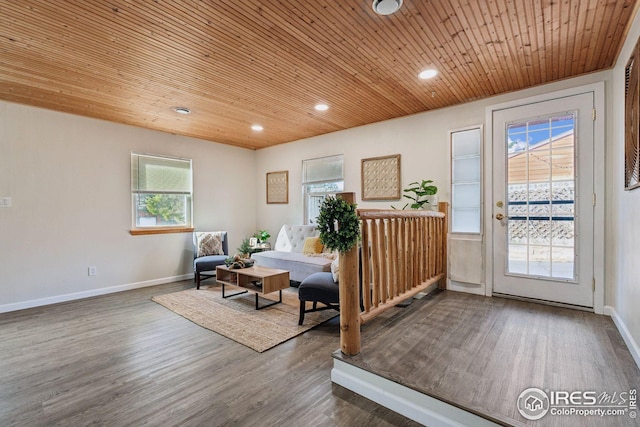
(634,349)
(470,288)
(90,293)
(403,400)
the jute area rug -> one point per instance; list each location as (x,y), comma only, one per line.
(236,317)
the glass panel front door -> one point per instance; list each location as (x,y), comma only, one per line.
(540,195)
(543,186)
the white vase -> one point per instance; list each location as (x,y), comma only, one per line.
(432,202)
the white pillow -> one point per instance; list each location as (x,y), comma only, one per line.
(335,268)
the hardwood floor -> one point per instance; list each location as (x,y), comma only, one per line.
(480,353)
(121,359)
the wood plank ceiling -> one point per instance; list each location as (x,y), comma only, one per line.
(238,63)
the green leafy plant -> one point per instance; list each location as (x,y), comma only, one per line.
(168,207)
(262,235)
(344,213)
(245,247)
(417,193)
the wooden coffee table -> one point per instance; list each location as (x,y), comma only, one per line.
(258,279)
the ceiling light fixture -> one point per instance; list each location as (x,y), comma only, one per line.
(257,128)
(182,110)
(428,74)
(386,7)
(321,107)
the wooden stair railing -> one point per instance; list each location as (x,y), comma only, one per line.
(402,253)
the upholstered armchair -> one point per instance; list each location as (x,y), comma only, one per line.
(318,287)
(323,287)
(210,249)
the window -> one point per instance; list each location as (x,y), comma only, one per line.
(160,193)
(466,185)
(320,178)
(541,196)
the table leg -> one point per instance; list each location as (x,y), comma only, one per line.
(269,305)
(232,295)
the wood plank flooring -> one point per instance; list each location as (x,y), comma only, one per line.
(480,353)
(121,359)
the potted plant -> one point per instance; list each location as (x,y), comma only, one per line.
(420,194)
(262,236)
(245,248)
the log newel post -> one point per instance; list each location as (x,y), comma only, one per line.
(444,208)
(349,296)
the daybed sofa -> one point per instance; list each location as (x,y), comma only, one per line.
(287,253)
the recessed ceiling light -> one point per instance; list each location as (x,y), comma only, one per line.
(386,7)
(257,128)
(182,110)
(428,74)
(321,107)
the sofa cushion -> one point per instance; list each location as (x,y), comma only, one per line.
(291,237)
(298,265)
(312,246)
(335,268)
(207,263)
(319,287)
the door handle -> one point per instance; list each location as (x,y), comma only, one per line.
(499,216)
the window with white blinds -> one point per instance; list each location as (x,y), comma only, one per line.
(466,180)
(321,177)
(161,191)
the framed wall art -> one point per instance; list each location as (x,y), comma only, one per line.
(632,121)
(380,178)
(278,187)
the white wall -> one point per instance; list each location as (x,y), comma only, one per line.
(421,139)
(623,224)
(69,180)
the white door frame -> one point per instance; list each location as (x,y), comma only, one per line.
(598,176)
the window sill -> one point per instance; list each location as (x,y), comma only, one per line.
(163,230)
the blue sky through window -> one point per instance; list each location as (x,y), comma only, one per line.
(527,135)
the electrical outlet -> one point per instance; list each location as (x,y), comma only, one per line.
(92,271)
(5,202)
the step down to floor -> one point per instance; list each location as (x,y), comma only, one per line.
(403,400)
